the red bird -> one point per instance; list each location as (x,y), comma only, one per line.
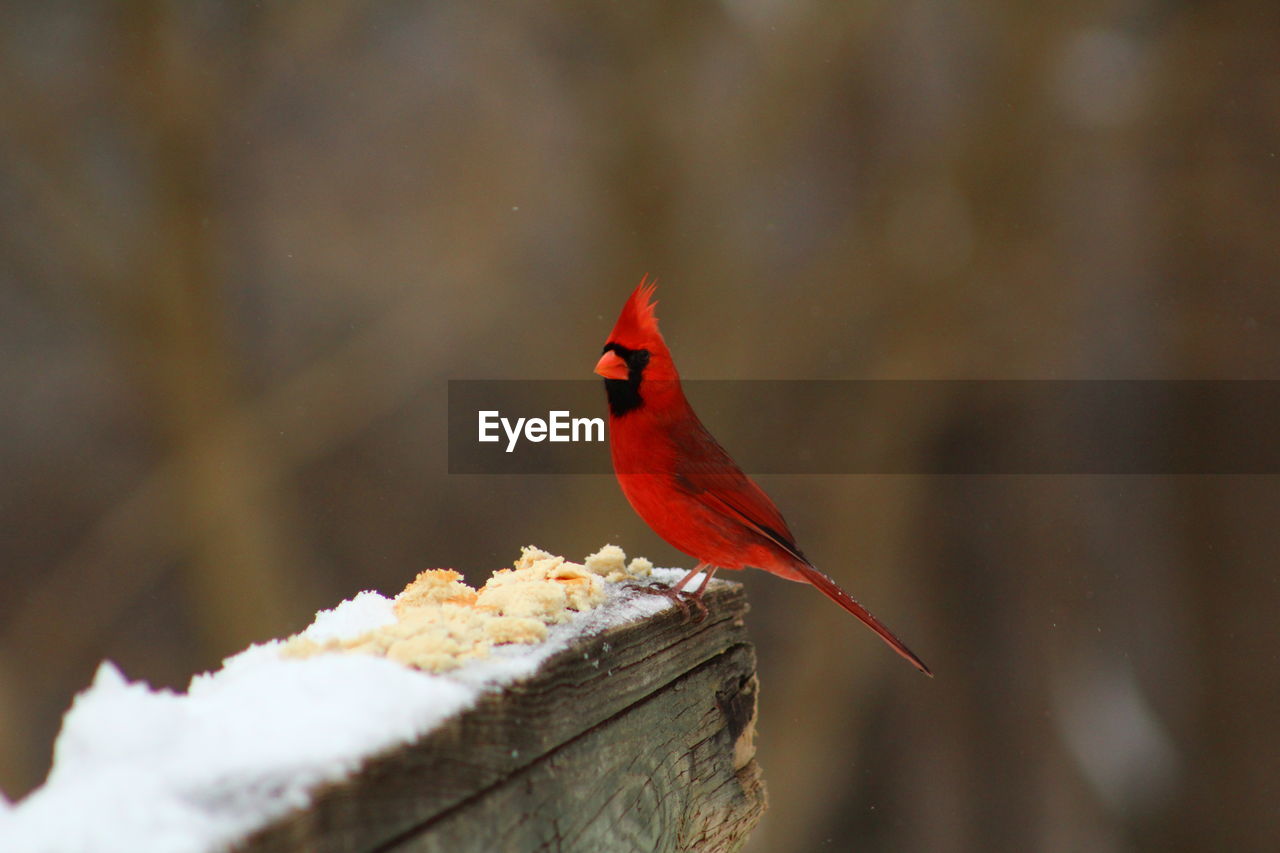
(682,482)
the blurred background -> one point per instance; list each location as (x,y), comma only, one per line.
(245,246)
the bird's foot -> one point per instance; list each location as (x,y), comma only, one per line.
(679,597)
(699,606)
(675,596)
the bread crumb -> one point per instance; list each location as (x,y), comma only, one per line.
(441,623)
(611,563)
(582,589)
(511,629)
(531,554)
(435,586)
(526,599)
(609,560)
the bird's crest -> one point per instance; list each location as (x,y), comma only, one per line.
(638,322)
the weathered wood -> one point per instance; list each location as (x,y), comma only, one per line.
(639,738)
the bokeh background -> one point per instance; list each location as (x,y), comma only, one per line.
(245,245)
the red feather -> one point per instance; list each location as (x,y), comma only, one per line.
(638,321)
(680,480)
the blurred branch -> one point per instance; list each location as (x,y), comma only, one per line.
(241,562)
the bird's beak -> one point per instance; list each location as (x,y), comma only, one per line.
(610,366)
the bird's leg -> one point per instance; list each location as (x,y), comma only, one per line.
(672,592)
(679,596)
(696,595)
(679,585)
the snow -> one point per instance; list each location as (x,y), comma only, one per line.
(353,617)
(142,770)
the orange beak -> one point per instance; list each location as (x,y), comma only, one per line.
(610,366)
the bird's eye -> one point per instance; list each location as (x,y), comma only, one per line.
(638,359)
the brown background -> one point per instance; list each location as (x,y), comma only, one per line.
(245,246)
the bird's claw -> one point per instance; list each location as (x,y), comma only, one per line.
(700,607)
(680,598)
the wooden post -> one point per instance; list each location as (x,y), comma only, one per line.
(636,739)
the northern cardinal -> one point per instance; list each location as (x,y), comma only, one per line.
(680,480)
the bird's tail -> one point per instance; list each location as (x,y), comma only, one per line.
(833,591)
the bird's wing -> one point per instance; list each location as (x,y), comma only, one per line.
(710,476)
(705,471)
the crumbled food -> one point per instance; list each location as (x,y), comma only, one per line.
(531,554)
(526,599)
(441,622)
(435,586)
(513,629)
(611,563)
(609,560)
